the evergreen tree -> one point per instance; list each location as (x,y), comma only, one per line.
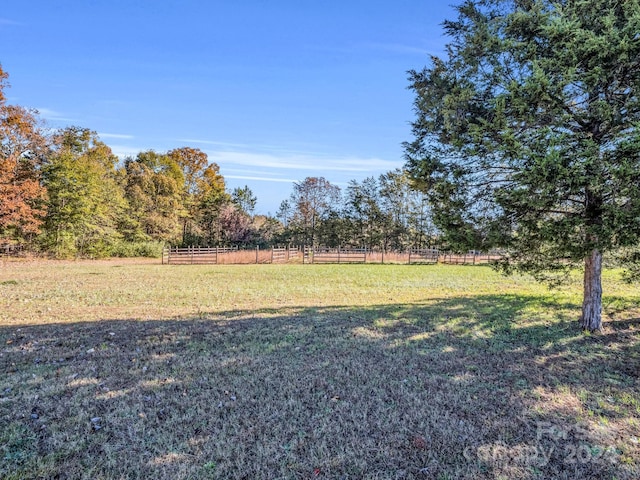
(244,199)
(527,136)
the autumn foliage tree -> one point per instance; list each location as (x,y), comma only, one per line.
(154,189)
(211,197)
(23,147)
(85,199)
(193,162)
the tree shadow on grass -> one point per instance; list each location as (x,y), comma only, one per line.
(493,386)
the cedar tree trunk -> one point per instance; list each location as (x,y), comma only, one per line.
(591,318)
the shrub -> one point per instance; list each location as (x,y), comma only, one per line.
(150,248)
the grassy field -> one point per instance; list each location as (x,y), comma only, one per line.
(130,369)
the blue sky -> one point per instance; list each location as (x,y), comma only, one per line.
(273,90)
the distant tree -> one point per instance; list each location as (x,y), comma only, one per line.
(380,209)
(23,147)
(235,225)
(395,194)
(267,230)
(409,210)
(313,200)
(364,208)
(244,199)
(527,134)
(85,200)
(154,190)
(210,199)
(210,182)
(335,230)
(284,213)
(420,228)
(193,164)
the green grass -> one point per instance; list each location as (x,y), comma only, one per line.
(121,369)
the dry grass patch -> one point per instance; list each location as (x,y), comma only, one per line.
(121,370)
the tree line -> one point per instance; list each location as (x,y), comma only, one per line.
(383,213)
(65,193)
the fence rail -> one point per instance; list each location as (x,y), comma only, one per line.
(318,255)
(335,255)
(226,255)
(10,250)
(472,258)
(429,255)
(284,254)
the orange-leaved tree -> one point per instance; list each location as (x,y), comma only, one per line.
(23,147)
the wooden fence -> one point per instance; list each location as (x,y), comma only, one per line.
(284,254)
(11,250)
(335,255)
(317,255)
(424,255)
(471,258)
(227,255)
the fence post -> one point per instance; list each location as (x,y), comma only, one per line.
(257,250)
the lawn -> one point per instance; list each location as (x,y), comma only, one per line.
(131,369)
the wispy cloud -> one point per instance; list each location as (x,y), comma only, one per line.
(286,157)
(252,172)
(53,115)
(117,136)
(255,174)
(211,142)
(246,147)
(269,163)
(304,162)
(261,179)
